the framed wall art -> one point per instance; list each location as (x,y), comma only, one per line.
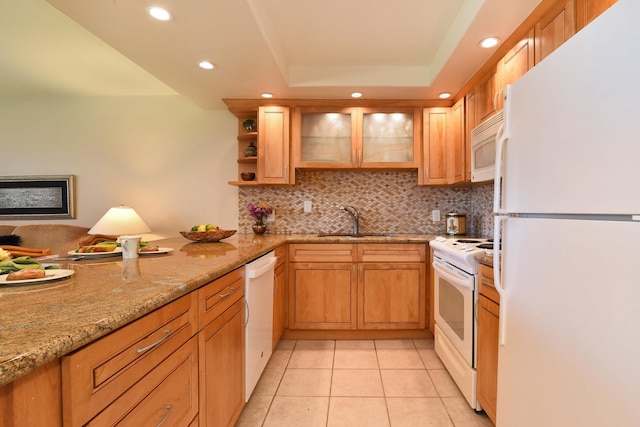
(37,197)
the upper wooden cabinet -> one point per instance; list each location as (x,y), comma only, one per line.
(443,149)
(485,97)
(514,65)
(355,137)
(273,145)
(554,28)
(267,128)
(588,10)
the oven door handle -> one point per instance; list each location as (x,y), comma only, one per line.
(455,280)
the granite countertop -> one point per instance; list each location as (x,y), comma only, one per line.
(42,322)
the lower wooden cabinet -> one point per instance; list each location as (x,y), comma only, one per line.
(383,287)
(279,294)
(488,329)
(221,360)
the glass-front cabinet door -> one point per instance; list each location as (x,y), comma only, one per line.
(324,138)
(355,138)
(389,139)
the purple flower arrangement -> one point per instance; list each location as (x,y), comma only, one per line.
(260,211)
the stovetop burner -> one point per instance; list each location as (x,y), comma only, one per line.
(485,246)
(468,241)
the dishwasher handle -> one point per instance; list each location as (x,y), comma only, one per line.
(254,273)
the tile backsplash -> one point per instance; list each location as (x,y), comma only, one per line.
(388,202)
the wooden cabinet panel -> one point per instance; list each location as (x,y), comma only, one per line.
(456,165)
(485,97)
(391,296)
(435,127)
(94,376)
(172,401)
(221,367)
(514,65)
(391,252)
(470,123)
(279,303)
(554,28)
(488,335)
(322,295)
(34,399)
(273,145)
(588,10)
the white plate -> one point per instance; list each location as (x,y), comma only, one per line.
(159,251)
(49,275)
(116,251)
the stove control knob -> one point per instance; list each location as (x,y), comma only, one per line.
(468,248)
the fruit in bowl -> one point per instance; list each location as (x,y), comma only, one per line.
(207,233)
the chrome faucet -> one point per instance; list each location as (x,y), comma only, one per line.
(354,217)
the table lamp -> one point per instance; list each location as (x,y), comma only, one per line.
(124,222)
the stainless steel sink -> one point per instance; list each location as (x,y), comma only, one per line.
(354,235)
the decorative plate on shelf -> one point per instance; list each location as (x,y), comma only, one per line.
(208,236)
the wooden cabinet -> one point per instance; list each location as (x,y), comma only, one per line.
(267,128)
(488,330)
(514,65)
(391,286)
(273,145)
(443,150)
(221,350)
(588,10)
(279,294)
(554,28)
(355,137)
(357,286)
(322,286)
(485,97)
(34,399)
(134,359)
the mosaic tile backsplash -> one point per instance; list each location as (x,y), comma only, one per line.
(388,202)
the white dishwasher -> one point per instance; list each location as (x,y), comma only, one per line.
(259,280)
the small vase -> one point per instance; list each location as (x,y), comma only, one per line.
(259,229)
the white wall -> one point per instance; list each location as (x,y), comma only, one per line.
(163,156)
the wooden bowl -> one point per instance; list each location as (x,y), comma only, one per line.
(248,176)
(208,236)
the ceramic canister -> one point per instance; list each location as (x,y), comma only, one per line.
(456,224)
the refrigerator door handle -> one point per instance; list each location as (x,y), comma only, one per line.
(501,140)
(497,276)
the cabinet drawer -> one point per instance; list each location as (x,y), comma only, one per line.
(219,295)
(393,252)
(485,280)
(322,252)
(168,395)
(94,376)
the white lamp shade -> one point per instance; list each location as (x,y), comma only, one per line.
(119,221)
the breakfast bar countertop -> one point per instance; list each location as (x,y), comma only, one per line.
(43,321)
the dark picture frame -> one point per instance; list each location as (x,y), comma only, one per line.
(37,197)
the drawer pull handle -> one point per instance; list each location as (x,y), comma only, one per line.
(222,296)
(166,416)
(167,332)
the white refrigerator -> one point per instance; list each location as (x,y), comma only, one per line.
(567,213)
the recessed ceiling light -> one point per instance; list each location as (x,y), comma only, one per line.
(267,95)
(489,42)
(159,13)
(444,95)
(356,95)
(206,65)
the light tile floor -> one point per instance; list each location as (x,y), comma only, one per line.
(353,383)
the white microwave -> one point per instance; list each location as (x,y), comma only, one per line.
(483,148)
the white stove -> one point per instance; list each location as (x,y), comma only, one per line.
(461,251)
(455,296)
